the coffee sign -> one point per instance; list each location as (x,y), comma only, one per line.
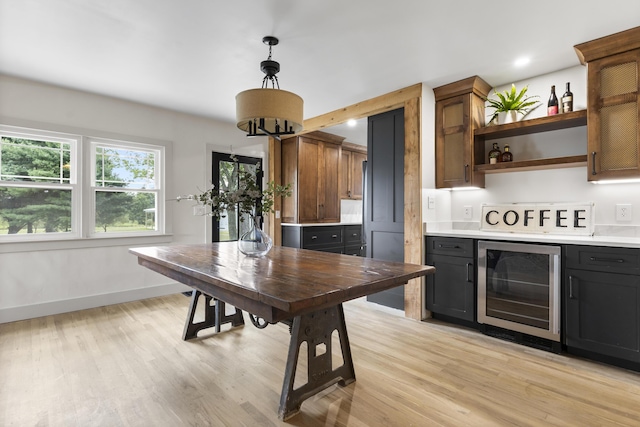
(542,218)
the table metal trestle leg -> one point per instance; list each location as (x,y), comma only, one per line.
(315,329)
(214,315)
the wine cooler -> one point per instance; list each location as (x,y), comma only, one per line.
(519,289)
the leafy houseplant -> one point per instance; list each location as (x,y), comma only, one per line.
(249,200)
(246,197)
(512,101)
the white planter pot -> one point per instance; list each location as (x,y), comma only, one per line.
(505,117)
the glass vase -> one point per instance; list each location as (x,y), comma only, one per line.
(255,242)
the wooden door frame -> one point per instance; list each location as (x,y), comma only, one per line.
(411,99)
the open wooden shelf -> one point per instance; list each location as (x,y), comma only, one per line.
(538,164)
(525,127)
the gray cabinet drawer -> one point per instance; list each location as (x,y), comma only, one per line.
(600,258)
(321,236)
(450,246)
(353,234)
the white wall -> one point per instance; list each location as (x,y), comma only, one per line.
(553,185)
(37,280)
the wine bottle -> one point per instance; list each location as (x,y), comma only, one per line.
(495,154)
(507,156)
(567,100)
(552,105)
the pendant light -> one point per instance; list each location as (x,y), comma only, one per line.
(269,110)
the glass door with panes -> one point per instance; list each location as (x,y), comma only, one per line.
(224,172)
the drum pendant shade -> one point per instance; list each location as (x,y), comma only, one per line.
(273,106)
(269,111)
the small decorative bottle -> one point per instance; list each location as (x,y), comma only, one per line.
(567,100)
(552,105)
(495,154)
(507,156)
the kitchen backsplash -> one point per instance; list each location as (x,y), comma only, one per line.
(351,211)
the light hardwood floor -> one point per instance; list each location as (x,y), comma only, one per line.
(126,365)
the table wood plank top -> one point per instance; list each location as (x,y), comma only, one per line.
(286,282)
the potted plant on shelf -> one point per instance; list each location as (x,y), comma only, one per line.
(510,103)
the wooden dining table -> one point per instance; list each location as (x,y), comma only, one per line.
(304,288)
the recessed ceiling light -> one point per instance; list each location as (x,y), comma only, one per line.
(521,62)
(352,122)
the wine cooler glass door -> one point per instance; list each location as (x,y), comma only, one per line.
(518,287)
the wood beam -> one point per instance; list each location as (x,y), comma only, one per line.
(411,99)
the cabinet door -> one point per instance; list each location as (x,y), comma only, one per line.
(345,174)
(614,117)
(451,290)
(356,175)
(602,313)
(328,183)
(454,144)
(309,155)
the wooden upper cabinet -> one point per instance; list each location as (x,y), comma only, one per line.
(613,105)
(351,171)
(311,164)
(459,111)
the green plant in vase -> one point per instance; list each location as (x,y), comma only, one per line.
(513,101)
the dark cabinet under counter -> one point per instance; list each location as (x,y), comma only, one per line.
(601,299)
(342,239)
(451,291)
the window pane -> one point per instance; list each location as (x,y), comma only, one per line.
(119,167)
(34,160)
(232,227)
(34,210)
(130,211)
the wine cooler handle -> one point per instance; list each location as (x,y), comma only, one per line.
(571,296)
(593,163)
(469,265)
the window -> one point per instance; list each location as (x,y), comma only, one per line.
(38,184)
(44,195)
(126,187)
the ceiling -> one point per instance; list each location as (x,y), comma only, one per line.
(194,56)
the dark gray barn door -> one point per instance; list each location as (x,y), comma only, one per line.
(383,211)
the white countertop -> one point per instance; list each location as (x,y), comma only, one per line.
(615,241)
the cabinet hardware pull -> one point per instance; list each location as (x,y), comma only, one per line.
(593,163)
(468,275)
(598,259)
(466,168)
(571,296)
(441,246)
(314,237)
(335,236)
(354,235)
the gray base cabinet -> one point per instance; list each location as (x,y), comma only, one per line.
(340,239)
(602,301)
(451,291)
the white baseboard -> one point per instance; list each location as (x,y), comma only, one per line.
(13,314)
